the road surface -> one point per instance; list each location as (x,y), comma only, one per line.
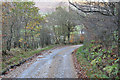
(55,63)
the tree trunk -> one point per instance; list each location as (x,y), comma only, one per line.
(118,29)
(25,43)
(68,34)
(9,39)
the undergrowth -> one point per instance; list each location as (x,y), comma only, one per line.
(98,64)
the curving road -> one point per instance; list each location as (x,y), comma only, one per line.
(55,63)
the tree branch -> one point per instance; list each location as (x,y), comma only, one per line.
(104,11)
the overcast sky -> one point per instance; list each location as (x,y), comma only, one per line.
(47,6)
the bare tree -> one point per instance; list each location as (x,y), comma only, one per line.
(100,20)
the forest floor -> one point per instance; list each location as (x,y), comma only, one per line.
(54,63)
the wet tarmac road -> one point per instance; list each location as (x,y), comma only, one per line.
(56,63)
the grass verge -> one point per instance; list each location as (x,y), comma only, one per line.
(19,55)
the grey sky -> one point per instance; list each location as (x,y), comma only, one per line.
(50,5)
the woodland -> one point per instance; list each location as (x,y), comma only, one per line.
(93,24)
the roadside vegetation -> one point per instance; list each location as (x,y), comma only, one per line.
(17,55)
(99,59)
(98,64)
(99,54)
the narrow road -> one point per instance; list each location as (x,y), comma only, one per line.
(56,63)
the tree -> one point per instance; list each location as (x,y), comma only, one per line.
(63,23)
(99,21)
(20,24)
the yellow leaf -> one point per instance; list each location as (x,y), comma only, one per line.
(21,40)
